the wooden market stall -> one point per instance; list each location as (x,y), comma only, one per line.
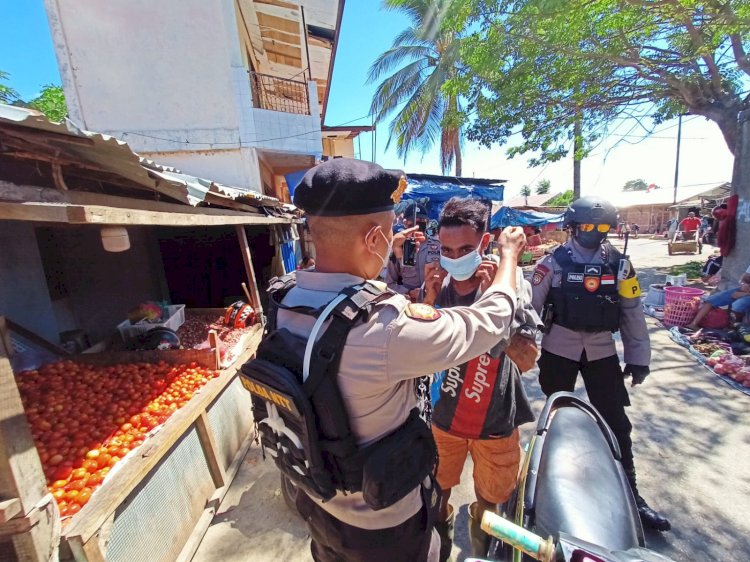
(59,188)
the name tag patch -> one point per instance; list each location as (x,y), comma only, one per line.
(267,393)
(575,277)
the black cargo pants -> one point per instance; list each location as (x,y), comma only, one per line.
(605,386)
(335,541)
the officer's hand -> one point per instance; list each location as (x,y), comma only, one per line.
(523,352)
(637,372)
(433,281)
(512,240)
(486,274)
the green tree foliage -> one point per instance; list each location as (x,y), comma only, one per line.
(51,102)
(543,187)
(7,94)
(534,66)
(562,200)
(414,73)
(635,185)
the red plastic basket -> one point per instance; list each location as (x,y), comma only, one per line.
(681,305)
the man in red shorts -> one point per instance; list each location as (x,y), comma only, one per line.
(478,405)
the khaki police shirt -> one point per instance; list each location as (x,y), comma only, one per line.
(383,355)
(412,276)
(598,345)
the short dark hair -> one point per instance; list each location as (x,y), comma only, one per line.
(460,211)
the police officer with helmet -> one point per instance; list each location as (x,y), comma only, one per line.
(333,380)
(585,291)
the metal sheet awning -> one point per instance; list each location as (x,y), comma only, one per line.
(30,134)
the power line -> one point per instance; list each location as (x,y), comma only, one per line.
(239,141)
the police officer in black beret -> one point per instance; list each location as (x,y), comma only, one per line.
(349,206)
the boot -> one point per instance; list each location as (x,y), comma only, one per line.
(480,541)
(445,530)
(649,517)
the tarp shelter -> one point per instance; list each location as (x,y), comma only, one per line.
(507,216)
(439,189)
(293,179)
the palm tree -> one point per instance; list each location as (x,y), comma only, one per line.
(422,59)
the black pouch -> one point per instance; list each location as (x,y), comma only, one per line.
(398,463)
(284,415)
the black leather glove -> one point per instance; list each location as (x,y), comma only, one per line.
(637,372)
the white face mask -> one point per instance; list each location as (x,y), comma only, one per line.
(462,268)
(387,252)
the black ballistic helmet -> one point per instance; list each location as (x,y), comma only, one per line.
(590,210)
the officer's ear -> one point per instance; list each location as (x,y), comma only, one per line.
(373,238)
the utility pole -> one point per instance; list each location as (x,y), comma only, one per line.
(677,161)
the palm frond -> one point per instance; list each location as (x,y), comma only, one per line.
(394,57)
(397,89)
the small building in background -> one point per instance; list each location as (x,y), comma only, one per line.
(235,90)
(651,210)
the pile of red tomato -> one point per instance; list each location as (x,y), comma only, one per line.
(85,418)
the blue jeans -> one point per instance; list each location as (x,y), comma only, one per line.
(724,298)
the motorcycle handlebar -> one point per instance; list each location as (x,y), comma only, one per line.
(518,537)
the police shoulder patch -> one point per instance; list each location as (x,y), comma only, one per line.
(421,311)
(540,273)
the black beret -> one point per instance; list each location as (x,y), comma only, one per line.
(345,186)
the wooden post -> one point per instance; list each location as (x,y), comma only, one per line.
(23,490)
(248,259)
(211,450)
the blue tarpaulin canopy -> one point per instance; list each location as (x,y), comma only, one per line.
(439,189)
(508,216)
(431,191)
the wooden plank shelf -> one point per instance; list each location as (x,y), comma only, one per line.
(84,526)
(216,423)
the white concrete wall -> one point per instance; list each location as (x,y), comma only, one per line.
(158,68)
(169,78)
(235,168)
(284,132)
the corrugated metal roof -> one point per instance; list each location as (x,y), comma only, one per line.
(111,155)
(665,195)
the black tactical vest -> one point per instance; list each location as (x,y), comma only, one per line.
(587,299)
(304,424)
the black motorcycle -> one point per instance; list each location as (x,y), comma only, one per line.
(573,487)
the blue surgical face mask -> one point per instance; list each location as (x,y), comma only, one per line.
(462,268)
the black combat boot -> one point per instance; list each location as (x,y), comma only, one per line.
(649,517)
(445,530)
(480,541)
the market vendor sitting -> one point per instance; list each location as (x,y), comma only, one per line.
(736,297)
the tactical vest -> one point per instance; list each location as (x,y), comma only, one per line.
(587,299)
(302,419)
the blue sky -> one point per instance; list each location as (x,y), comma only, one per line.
(26,53)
